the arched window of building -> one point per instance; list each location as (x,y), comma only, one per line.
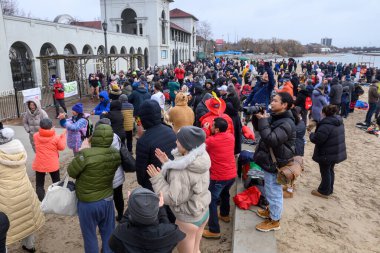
(129,22)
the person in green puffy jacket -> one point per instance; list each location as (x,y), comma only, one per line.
(94,169)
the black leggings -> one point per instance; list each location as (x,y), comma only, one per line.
(129,138)
(40,182)
(119,201)
(4,226)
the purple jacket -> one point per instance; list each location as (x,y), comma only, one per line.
(74,132)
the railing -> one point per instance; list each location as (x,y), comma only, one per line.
(12,105)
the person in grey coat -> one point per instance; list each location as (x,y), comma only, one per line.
(34,114)
(319,101)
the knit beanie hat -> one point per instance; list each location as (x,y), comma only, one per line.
(6,135)
(191,137)
(143,206)
(78,108)
(103,121)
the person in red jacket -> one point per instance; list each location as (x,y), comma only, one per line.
(48,144)
(59,96)
(179,74)
(220,147)
(216,107)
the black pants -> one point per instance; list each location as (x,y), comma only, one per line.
(119,201)
(59,102)
(328,176)
(4,226)
(129,138)
(304,115)
(40,182)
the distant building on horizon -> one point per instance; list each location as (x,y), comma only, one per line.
(326,42)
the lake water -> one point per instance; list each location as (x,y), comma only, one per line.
(343,58)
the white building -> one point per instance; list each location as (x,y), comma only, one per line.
(144,27)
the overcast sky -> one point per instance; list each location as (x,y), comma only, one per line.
(348,22)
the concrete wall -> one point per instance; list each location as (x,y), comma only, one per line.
(34,33)
(6,82)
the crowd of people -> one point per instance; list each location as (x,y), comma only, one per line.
(188,125)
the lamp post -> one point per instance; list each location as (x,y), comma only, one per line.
(105,25)
(176,51)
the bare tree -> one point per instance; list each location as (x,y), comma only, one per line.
(204,30)
(246,44)
(10,7)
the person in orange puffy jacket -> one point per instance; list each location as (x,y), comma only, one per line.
(48,145)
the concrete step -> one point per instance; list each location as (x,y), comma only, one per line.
(245,237)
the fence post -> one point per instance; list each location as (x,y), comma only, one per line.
(18,109)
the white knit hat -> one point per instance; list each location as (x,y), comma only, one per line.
(6,135)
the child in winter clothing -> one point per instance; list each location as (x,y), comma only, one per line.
(145,221)
(104,104)
(75,127)
(48,145)
(127,111)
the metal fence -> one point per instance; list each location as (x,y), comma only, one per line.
(12,103)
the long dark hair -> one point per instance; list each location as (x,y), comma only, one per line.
(78,117)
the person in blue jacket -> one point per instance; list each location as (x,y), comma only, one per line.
(262,91)
(104,106)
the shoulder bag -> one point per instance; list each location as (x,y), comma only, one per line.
(289,172)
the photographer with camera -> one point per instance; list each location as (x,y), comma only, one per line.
(278,132)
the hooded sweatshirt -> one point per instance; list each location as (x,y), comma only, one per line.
(156,135)
(137,98)
(181,114)
(103,106)
(319,101)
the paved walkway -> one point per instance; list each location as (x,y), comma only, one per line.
(24,138)
(245,237)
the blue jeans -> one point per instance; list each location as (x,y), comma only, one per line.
(4,226)
(96,214)
(219,190)
(370,112)
(273,194)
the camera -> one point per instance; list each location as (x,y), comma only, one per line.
(258,108)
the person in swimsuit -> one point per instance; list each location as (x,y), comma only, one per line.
(184,183)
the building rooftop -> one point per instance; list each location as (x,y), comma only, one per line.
(89,24)
(177,13)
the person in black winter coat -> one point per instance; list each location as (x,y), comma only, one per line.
(232,110)
(117,119)
(201,109)
(295,82)
(145,226)
(301,101)
(278,133)
(330,148)
(4,226)
(137,97)
(336,92)
(156,135)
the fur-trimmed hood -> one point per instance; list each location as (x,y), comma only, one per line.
(197,161)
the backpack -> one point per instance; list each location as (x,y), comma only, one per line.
(88,130)
(308,103)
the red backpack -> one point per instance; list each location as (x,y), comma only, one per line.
(308,103)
